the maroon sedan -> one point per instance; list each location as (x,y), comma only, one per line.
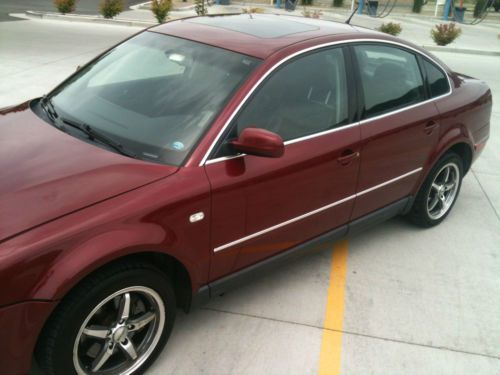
(200,152)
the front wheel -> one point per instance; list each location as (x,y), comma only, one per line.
(115,323)
(439,192)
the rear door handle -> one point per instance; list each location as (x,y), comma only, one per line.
(430,126)
(347,156)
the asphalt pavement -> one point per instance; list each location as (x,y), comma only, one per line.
(393,300)
(19,6)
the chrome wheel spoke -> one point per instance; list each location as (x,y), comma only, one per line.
(433,203)
(141,321)
(435,186)
(99,332)
(448,187)
(446,174)
(106,352)
(442,201)
(128,348)
(124,310)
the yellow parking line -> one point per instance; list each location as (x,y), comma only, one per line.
(331,344)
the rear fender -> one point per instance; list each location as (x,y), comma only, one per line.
(455,135)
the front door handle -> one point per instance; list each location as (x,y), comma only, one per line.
(347,156)
(430,126)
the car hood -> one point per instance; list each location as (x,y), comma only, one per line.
(45,173)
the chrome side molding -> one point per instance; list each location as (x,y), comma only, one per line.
(310,213)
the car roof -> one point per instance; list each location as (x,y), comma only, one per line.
(257,35)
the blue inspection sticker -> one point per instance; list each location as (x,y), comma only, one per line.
(179,146)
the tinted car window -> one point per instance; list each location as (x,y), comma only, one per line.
(306,96)
(390,78)
(436,79)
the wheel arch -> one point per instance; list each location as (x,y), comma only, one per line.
(463,150)
(455,140)
(167,264)
(67,274)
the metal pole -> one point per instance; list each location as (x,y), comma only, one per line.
(352,6)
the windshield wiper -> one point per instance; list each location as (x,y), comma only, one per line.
(95,135)
(91,133)
(49,109)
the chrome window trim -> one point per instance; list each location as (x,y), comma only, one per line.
(411,106)
(303,51)
(310,213)
(310,136)
(222,158)
(289,142)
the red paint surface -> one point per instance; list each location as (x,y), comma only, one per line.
(21,324)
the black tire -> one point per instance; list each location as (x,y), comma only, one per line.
(419,214)
(54,351)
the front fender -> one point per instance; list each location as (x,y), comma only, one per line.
(75,263)
(46,262)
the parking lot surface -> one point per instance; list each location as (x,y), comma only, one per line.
(395,299)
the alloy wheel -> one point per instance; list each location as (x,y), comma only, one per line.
(120,333)
(443,191)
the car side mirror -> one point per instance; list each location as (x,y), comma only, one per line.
(259,142)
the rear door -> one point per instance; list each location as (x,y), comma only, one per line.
(262,206)
(399,125)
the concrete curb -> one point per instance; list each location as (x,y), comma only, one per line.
(139,6)
(467,51)
(146,6)
(87,18)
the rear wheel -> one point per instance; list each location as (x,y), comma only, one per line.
(439,192)
(115,323)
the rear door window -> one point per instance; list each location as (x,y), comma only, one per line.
(436,79)
(390,78)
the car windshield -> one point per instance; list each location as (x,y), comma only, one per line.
(154,94)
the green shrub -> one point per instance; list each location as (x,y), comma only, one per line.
(479,8)
(306,2)
(391,28)
(111,8)
(200,7)
(160,8)
(444,34)
(65,6)
(417,6)
(338,3)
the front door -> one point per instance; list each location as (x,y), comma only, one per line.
(262,206)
